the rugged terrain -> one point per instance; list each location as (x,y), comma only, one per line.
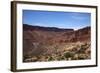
(54,44)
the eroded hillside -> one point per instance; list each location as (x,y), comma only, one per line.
(54,44)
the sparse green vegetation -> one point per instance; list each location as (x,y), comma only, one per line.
(50,58)
(75,51)
(68,54)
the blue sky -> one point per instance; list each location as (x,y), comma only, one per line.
(74,20)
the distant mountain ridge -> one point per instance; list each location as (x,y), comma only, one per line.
(30,27)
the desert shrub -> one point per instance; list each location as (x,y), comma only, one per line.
(68,54)
(26,57)
(75,57)
(50,58)
(34,59)
(82,56)
(31,59)
(83,48)
(62,58)
(59,58)
(74,49)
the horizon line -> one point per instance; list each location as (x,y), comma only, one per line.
(57,27)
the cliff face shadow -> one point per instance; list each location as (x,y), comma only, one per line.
(55,44)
